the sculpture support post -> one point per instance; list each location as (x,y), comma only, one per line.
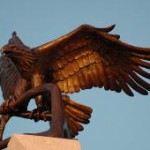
(57,121)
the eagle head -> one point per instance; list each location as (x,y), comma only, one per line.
(11,50)
(17,53)
(16,50)
(21,56)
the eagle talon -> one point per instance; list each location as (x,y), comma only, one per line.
(44,116)
(13,98)
(36,113)
(9,102)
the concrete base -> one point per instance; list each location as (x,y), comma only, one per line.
(31,142)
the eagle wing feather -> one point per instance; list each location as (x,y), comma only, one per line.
(92,57)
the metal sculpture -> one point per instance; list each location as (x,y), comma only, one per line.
(85,58)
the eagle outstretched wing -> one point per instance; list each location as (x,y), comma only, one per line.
(92,57)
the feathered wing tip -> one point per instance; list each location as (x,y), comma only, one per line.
(109,29)
(76,115)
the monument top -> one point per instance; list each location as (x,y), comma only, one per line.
(30,142)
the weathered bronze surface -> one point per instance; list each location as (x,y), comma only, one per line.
(85,58)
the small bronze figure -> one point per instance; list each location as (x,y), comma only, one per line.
(86,57)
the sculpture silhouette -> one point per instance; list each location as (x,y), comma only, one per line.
(85,58)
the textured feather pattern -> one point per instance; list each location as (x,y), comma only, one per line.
(22,57)
(91,57)
(9,77)
(76,114)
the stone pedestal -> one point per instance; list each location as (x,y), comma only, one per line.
(31,142)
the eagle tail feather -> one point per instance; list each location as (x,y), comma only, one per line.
(76,115)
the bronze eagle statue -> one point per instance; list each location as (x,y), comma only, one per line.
(84,58)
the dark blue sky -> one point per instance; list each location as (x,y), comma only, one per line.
(118,121)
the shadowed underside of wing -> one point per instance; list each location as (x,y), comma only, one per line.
(92,57)
(9,77)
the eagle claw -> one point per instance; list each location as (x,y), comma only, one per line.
(9,102)
(36,113)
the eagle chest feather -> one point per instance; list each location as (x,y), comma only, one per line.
(41,72)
